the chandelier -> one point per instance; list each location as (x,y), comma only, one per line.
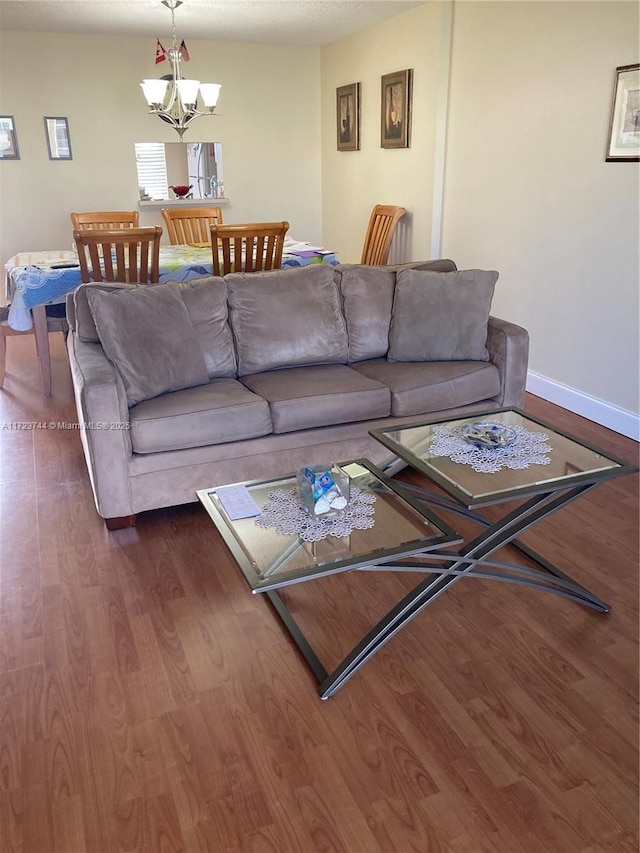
(172,98)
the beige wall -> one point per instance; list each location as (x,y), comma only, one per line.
(528,191)
(176,160)
(353,181)
(269,126)
(526,188)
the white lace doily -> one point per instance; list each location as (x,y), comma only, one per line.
(528,448)
(287,516)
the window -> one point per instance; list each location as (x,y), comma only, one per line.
(197,165)
(152,170)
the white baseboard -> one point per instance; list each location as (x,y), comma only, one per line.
(607,415)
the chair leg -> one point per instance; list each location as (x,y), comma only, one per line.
(41,330)
(3,355)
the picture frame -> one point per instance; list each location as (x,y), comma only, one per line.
(58,139)
(348,117)
(624,122)
(395,109)
(8,139)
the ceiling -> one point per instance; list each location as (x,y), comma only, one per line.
(302,22)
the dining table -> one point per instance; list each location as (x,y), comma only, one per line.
(43,278)
(35,280)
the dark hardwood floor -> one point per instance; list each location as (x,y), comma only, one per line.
(149,702)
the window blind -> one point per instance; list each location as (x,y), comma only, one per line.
(152,169)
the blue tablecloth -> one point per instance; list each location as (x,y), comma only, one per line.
(41,284)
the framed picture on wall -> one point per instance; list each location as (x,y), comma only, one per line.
(624,124)
(395,109)
(58,140)
(348,117)
(8,139)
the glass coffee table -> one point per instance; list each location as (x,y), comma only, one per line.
(574,468)
(404,529)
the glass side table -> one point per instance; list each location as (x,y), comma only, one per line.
(404,528)
(575,467)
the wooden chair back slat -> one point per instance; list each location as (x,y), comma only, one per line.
(94,257)
(107,219)
(190,225)
(382,225)
(122,263)
(136,252)
(146,251)
(239,248)
(249,247)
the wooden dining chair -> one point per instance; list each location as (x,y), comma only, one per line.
(125,254)
(251,247)
(43,325)
(382,225)
(190,225)
(108,219)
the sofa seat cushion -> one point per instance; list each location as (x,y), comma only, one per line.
(319,395)
(418,388)
(223,410)
(286,318)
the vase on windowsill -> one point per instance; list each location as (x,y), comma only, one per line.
(181,190)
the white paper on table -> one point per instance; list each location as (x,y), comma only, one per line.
(52,256)
(237,502)
(298,246)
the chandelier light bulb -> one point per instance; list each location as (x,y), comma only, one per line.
(188,92)
(154,91)
(210,93)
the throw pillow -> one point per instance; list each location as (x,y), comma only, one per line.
(367,296)
(441,316)
(147,334)
(286,318)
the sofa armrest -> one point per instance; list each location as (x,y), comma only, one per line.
(508,347)
(103,418)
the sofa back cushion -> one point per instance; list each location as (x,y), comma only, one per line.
(286,318)
(441,316)
(84,325)
(438,265)
(206,303)
(147,335)
(367,295)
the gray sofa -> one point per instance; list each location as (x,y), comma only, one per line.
(183,386)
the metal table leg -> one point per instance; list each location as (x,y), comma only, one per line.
(447,568)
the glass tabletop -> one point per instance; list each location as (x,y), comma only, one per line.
(571,460)
(270,559)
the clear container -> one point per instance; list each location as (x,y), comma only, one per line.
(323,490)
